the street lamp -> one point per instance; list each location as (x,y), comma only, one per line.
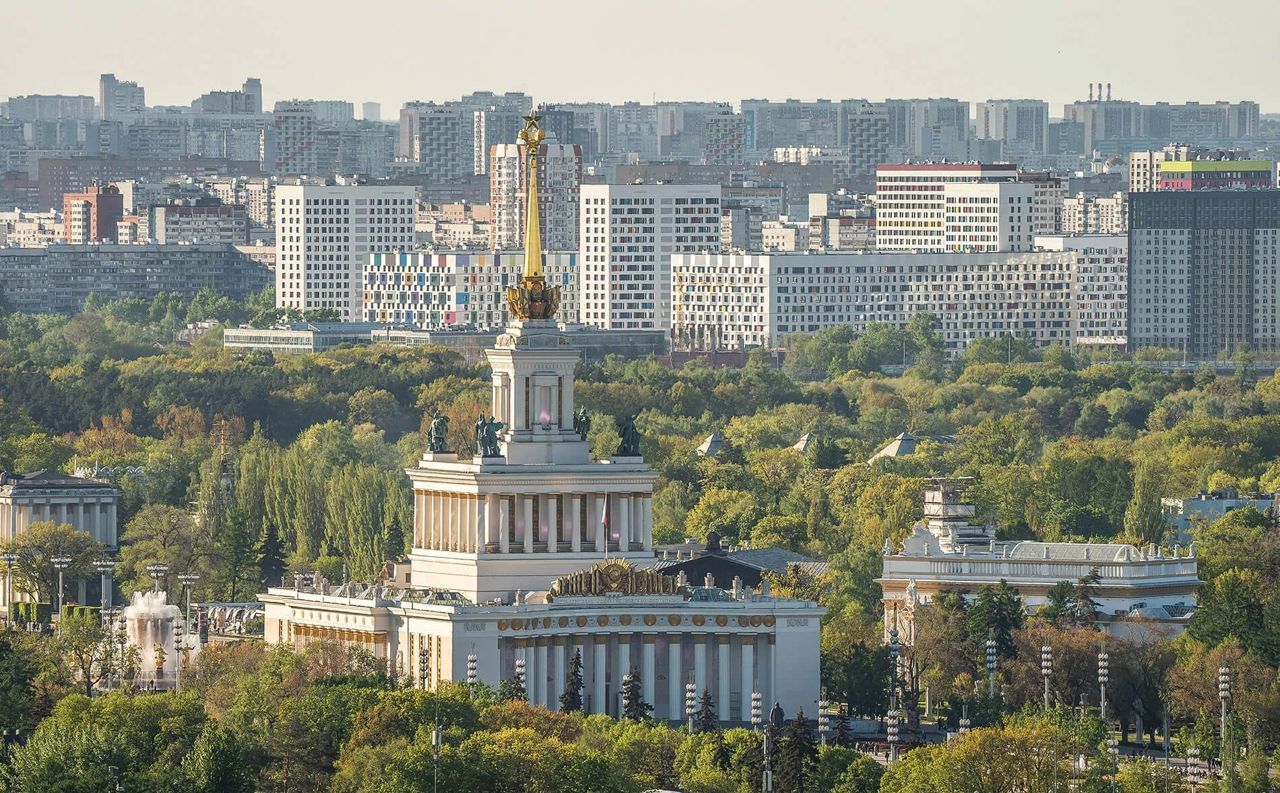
(1104,674)
(104,566)
(62,563)
(690,700)
(891,732)
(188,580)
(757,710)
(991,668)
(157,572)
(122,636)
(521,678)
(473,671)
(9,558)
(1113,749)
(424,665)
(823,704)
(1193,765)
(965,724)
(1224,696)
(1046,669)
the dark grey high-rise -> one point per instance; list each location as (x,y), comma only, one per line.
(1203,271)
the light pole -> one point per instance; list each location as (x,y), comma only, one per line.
(157,572)
(61,563)
(690,699)
(188,581)
(1193,765)
(122,635)
(9,558)
(104,566)
(1104,674)
(473,673)
(424,666)
(891,723)
(964,718)
(1224,696)
(1046,669)
(991,668)
(757,710)
(521,679)
(1113,749)
(823,704)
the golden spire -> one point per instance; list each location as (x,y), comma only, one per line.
(532,299)
(532,136)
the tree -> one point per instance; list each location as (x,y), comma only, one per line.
(843,735)
(705,718)
(33,570)
(17,671)
(571,698)
(1057,609)
(996,613)
(166,535)
(1231,606)
(85,643)
(1084,609)
(797,756)
(1144,518)
(634,708)
(217,764)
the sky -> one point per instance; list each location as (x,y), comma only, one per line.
(556,50)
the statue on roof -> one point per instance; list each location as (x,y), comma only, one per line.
(437,434)
(582,423)
(487,436)
(630,445)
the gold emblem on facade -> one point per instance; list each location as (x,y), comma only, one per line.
(673,619)
(625,619)
(768,621)
(563,622)
(755,621)
(517,624)
(602,620)
(650,620)
(699,620)
(722,620)
(502,625)
(582,622)
(614,575)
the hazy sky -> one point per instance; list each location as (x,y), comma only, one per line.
(556,50)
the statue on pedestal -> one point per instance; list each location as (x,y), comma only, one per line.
(630,445)
(438,433)
(487,436)
(582,423)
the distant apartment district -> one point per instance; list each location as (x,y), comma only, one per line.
(670,227)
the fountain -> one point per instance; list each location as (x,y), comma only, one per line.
(153,627)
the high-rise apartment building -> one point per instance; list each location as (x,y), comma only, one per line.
(444,142)
(324,235)
(559,180)
(747,300)
(1202,271)
(1021,125)
(1082,214)
(628,235)
(491,127)
(117,98)
(916,203)
(91,214)
(865,133)
(199,223)
(931,129)
(792,123)
(292,135)
(1216,175)
(438,290)
(1099,286)
(49,107)
(724,139)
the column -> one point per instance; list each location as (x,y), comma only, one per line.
(553,519)
(770,673)
(526,514)
(530,670)
(597,516)
(700,661)
(111,524)
(559,667)
(504,524)
(648,658)
(646,520)
(433,527)
(491,514)
(82,591)
(598,703)
(107,584)
(624,661)
(747,650)
(675,678)
(541,685)
(575,523)
(624,522)
(722,672)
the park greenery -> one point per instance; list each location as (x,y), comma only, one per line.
(247,468)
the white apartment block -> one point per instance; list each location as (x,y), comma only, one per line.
(1144,166)
(1022,125)
(324,235)
(438,290)
(628,236)
(748,300)
(559,180)
(1083,214)
(256,195)
(777,235)
(1100,285)
(911,201)
(988,217)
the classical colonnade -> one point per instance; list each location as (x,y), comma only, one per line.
(728,665)
(538,522)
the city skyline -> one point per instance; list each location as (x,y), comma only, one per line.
(392,64)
